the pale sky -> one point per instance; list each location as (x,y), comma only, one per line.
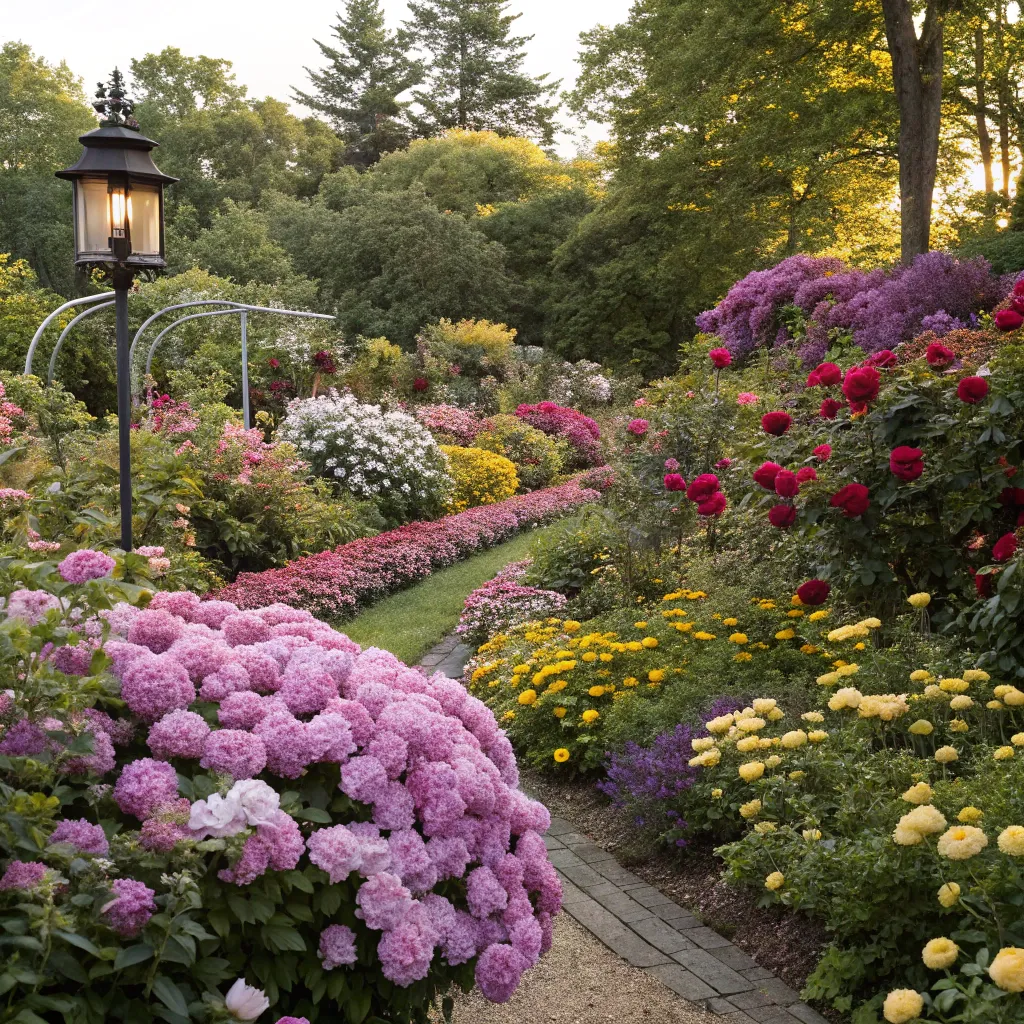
(267,42)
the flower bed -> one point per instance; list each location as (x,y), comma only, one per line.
(504,602)
(197,798)
(334,583)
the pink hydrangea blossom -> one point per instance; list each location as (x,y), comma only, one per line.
(82,835)
(131,908)
(23,874)
(144,785)
(337,947)
(234,752)
(383,901)
(86,564)
(31,605)
(154,685)
(499,970)
(179,734)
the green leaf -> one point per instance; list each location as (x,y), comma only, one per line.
(314,814)
(170,995)
(78,940)
(64,962)
(132,955)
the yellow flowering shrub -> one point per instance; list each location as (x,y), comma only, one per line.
(481,477)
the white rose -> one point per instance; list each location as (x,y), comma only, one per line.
(258,801)
(218,816)
(245,1002)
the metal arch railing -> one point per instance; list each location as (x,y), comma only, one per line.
(171,309)
(67,330)
(46,323)
(243,310)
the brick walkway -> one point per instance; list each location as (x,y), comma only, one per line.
(649,930)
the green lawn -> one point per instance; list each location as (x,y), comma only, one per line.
(412,621)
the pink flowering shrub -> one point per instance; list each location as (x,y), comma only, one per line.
(581,432)
(244,807)
(506,601)
(449,424)
(335,583)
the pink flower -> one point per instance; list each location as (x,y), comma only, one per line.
(747,398)
(702,487)
(82,835)
(179,734)
(86,564)
(1004,548)
(674,482)
(499,970)
(383,901)
(145,785)
(806,474)
(337,947)
(638,427)
(336,850)
(786,483)
(776,423)
(972,390)
(939,355)
(1008,320)
(131,908)
(234,752)
(720,357)
(714,506)
(782,516)
(153,685)
(823,452)
(23,874)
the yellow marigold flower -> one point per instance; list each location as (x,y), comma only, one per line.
(821,613)
(921,675)
(813,716)
(656,675)
(508,716)
(1017,739)
(751,771)
(703,635)
(976,675)
(828,679)
(640,625)
(721,724)
(596,691)
(1003,753)
(607,657)
(925,819)
(958,725)
(527,697)
(590,715)
(961,702)
(1001,690)
(847,670)
(1007,969)
(902,1004)
(773,762)
(776,880)
(795,613)
(795,601)
(730,621)
(518,670)
(750,724)
(709,758)
(743,656)
(748,743)
(557,686)
(797,775)
(871,623)
(811,835)
(904,836)
(560,712)
(630,681)
(931,690)
(751,809)
(962,842)
(785,634)
(817,736)
(737,638)
(809,649)
(762,828)
(921,793)
(949,894)
(920,600)
(1013,697)
(762,705)
(775,714)
(766,606)
(848,697)
(954,685)
(589,657)
(716,794)
(970,814)
(683,627)
(994,705)
(561,755)
(795,738)
(649,641)
(945,755)
(938,954)
(1011,841)
(634,646)
(701,743)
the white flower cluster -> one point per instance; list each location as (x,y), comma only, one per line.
(581,384)
(385,456)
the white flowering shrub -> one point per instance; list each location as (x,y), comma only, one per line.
(581,384)
(387,457)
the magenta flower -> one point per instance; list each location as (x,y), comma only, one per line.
(86,564)
(130,909)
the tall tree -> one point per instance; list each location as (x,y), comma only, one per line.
(359,89)
(475,79)
(917,73)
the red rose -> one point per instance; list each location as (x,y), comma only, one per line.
(829,408)
(782,516)
(1008,319)
(702,487)
(829,375)
(906,463)
(813,380)
(972,390)
(853,499)
(813,592)
(723,463)
(786,485)
(1018,304)
(420,384)
(939,355)
(721,357)
(1004,548)
(806,474)
(714,506)
(274,363)
(674,482)
(776,423)
(1011,496)
(822,452)
(982,583)
(1018,288)
(765,476)
(861,384)
(886,359)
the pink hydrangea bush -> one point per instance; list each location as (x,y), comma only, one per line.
(334,583)
(320,820)
(582,433)
(505,601)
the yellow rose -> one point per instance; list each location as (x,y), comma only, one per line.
(561,755)
(945,755)
(962,842)
(751,771)
(1007,969)
(902,1004)
(970,814)
(775,881)
(938,954)
(920,600)
(1011,841)
(949,894)
(918,794)
(590,716)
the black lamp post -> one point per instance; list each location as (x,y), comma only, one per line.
(119,228)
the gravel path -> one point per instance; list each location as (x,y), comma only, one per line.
(580,981)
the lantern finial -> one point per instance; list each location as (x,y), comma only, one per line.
(113,106)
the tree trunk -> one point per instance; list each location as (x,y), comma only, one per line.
(1003,95)
(984,139)
(463,85)
(917,80)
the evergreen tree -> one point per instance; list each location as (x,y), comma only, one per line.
(358,90)
(475,79)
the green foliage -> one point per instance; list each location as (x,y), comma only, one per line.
(1004,250)
(537,457)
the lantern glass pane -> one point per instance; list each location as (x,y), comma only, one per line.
(144,218)
(93,216)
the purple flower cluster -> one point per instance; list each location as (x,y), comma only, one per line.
(23,874)
(581,432)
(130,909)
(82,835)
(86,564)
(504,602)
(334,583)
